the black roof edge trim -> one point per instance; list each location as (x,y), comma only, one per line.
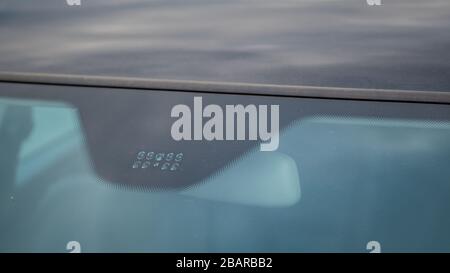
(230,88)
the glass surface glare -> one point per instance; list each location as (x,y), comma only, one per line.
(345,173)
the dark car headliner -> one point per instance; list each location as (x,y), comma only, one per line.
(401,45)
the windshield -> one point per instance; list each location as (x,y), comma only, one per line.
(86,165)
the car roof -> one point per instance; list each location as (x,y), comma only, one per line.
(399,45)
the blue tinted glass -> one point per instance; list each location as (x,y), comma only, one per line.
(345,173)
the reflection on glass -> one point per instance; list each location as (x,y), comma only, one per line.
(336,183)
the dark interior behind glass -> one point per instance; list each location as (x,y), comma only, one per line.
(345,173)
